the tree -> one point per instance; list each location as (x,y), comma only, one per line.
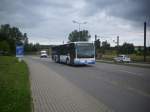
(36,47)
(97,44)
(25,38)
(79,36)
(12,35)
(29,48)
(127,48)
(148,50)
(105,45)
(139,48)
(4,46)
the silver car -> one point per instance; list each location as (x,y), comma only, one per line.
(122,58)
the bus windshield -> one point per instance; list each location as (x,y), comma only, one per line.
(85,50)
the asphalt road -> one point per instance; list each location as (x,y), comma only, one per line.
(121,88)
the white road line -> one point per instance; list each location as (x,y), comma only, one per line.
(133,73)
(146,94)
(128,87)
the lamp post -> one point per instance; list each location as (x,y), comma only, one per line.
(146,23)
(145,41)
(117,42)
(79,23)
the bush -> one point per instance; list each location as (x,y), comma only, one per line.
(4,48)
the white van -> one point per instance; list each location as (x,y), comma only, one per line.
(43,54)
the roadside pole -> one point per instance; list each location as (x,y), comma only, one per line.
(144,41)
(95,46)
(117,45)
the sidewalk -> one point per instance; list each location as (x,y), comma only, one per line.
(146,65)
(53,93)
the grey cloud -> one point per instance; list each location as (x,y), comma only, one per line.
(133,10)
(53,18)
(17,13)
(26,13)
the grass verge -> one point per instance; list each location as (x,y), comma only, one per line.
(14,85)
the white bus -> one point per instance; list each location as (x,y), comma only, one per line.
(74,53)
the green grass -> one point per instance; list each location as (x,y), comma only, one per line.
(14,86)
(138,58)
(108,57)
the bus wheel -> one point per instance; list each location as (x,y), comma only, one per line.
(67,62)
(56,59)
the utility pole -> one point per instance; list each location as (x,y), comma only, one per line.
(95,46)
(79,32)
(145,41)
(95,38)
(117,41)
(117,45)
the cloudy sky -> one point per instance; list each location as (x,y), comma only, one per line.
(50,21)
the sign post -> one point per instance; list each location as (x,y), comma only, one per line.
(19,52)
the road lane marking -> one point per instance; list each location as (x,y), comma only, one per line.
(146,94)
(133,73)
(126,86)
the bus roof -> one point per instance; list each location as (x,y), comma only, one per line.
(81,42)
(43,51)
(71,43)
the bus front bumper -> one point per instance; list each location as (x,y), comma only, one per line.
(84,61)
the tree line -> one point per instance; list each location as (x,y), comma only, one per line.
(103,46)
(9,37)
(84,35)
(12,36)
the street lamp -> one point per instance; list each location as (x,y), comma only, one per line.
(117,42)
(79,23)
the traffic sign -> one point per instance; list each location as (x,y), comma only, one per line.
(19,51)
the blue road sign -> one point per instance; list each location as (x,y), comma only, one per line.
(19,51)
